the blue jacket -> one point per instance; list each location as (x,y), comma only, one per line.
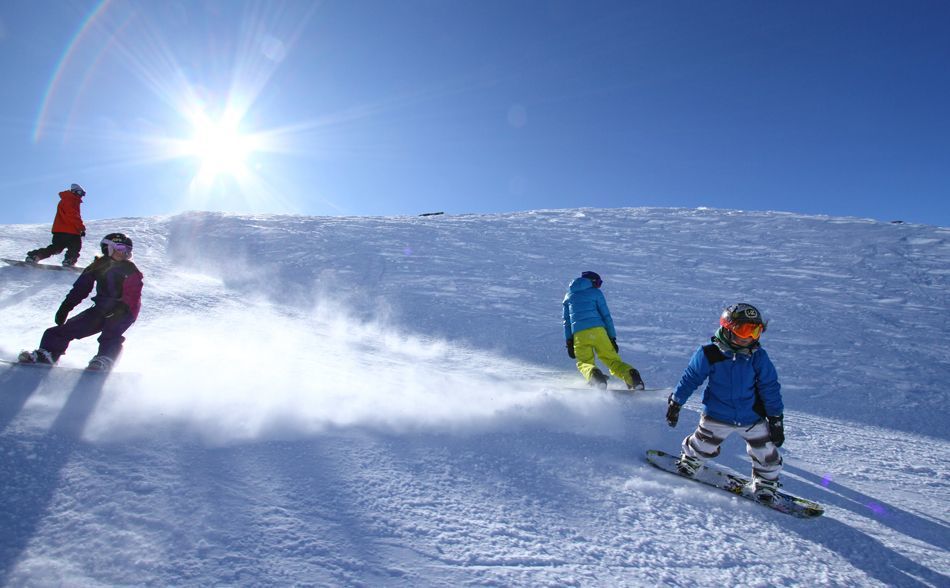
(585,308)
(733,382)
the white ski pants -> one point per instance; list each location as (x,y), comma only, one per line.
(704,442)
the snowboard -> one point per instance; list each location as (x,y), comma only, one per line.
(46,266)
(623,391)
(46,366)
(722,477)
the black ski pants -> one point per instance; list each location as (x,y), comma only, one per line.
(68,241)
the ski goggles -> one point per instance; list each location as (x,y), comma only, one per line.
(744,330)
(120,247)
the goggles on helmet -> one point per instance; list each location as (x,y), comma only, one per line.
(743,330)
(112,247)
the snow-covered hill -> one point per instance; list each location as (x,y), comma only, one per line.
(387,401)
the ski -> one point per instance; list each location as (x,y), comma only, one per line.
(45,266)
(621,391)
(47,366)
(713,474)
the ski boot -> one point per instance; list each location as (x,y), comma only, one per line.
(32,259)
(598,379)
(100,363)
(69,262)
(40,355)
(764,490)
(688,466)
(636,382)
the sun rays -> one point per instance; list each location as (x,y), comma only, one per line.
(198,100)
(201,84)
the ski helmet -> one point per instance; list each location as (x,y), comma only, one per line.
(77,190)
(110,241)
(742,320)
(594,277)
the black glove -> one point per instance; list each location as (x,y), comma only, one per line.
(570,348)
(61,315)
(118,310)
(82,233)
(613,341)
(672,411)
(777,429)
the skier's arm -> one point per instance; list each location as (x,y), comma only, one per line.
(77,215)
(695,374)
(605,315)
(81,288)
(568,333)
(132,294)
(767,383)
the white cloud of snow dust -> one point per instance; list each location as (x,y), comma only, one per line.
(240,371)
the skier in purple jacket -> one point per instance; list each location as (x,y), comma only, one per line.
(118,298)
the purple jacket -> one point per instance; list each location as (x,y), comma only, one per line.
(115,281)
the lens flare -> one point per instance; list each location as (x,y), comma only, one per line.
(877,509)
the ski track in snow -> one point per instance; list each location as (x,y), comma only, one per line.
(386,401)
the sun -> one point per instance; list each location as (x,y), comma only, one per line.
(220,148)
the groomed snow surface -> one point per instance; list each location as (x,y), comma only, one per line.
(387,401)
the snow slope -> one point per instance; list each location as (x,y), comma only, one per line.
(387,401)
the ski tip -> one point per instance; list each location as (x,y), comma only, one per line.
(58,367)
(44,266)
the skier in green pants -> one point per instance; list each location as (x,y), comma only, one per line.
(589,330)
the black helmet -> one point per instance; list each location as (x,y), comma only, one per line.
(109,242)
(743,320)
(594,277)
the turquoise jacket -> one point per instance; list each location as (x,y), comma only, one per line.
(585,308)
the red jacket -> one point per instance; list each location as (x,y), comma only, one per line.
(67,218)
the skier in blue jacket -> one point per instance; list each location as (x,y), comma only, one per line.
(743,396)
(589,329)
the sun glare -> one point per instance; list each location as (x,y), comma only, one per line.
(220,148)
(208,125)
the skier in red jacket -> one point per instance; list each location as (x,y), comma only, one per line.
(68,229)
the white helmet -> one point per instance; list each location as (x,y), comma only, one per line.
(77,190)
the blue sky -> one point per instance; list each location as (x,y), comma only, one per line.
(389,108)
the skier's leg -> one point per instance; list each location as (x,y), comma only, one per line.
(605,351)
(584,353)
(73,244)
(44,252)
(704,442)
(56,339)
(111,339)
(766,460)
